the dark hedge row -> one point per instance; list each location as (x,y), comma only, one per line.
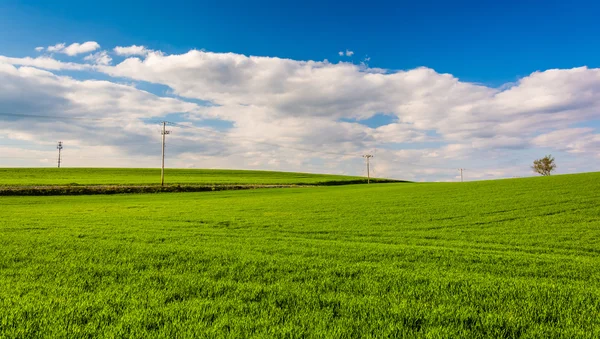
(88,190)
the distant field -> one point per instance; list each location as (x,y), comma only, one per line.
(150,176)
(495,259)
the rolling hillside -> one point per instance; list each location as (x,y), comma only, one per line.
(504,259)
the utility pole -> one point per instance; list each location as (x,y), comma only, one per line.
(164,132)
(59,148)
(368,156)
(461,174)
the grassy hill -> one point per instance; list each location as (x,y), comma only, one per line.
(151,176)
(505,259)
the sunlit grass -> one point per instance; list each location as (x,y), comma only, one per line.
(509,258)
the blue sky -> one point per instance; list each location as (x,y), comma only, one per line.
(492,42)
(485,47)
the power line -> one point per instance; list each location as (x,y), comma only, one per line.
(263,142)
(207,130)
(62,117)
(53,117)
(147,157)
(178,125)
(224,136)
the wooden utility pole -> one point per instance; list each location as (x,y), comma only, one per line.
(164,132)
(59,147)
(368,156)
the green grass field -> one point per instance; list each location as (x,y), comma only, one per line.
(494,259)
(150,176)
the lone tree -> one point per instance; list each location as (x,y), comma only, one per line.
(544,166)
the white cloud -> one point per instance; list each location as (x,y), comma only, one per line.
(440,123)
(341,53)
(421,97)
(112,116)
(572,140)
(349,53)
(44,62)
(99,58)
(56,48)
(398,133)
(39,49)
(131,50)
(77,48)
(74,48)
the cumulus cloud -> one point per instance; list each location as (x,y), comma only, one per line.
(91,98)
(421,97)
(347,53)
(572,140)
(56,48)
(77,48)
(131,50)
(74,48)
(94,118)
(44,62)
(99,58)
(39,49)
(282,110)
